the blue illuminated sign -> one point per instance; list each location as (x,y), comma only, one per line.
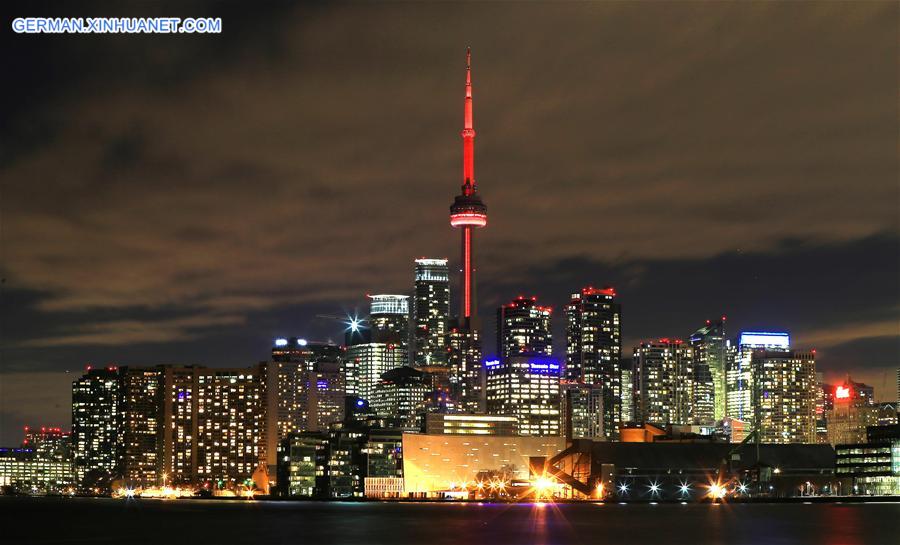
(764,338)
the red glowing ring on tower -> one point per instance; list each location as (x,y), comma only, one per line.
(471,219)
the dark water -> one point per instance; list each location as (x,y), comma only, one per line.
(82,520)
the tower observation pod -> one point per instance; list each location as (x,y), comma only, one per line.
(467,212)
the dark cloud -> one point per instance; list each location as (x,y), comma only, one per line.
(184,198)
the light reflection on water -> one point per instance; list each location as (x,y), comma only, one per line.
(234,522)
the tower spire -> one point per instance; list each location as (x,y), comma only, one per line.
(468,133)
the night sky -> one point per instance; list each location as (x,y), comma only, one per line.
(185,199)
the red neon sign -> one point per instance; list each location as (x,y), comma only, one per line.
(842,392)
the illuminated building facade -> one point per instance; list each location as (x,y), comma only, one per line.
(467,375)
(594,349)
(431,312)
(368,362)
(470,424)
(321,395)
(523,328)
(873,466)
(739,375)
(303,464)
(784,396)
(389,323)
(26,471)
(42,465)
(436,464)
(142,414)
(853,410)
(824,405)
(400,397)
(710,356)
(296,364)
(664,379)
(97,427)
(179,430)
(231,442)
(49,443)
(526,387)
(382,458)
(582,411)
(627,373)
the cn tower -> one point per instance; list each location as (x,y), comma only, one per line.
(468,213)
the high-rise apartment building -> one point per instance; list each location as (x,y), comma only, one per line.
(142,418)
(664,379)
(97,427)
(296,364)
(231,441)
(523,328)
(322,395)
(784,395)
(170,425)
(527,387)
(594,349)
(431,312)
(582,411)
(467,374)
(627,371)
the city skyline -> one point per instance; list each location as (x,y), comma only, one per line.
(826,275)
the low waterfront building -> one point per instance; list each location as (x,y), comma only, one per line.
(439,465)
(873,466)
(678,470)
(29,471)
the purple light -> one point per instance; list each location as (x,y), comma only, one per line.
(322,384)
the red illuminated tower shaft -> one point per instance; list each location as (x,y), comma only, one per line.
(468,212)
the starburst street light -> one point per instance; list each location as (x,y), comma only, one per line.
(623,488)
(685,488)
(654,488)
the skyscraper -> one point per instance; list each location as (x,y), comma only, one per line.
(594,349)
(523,328)
(431,312)
(526,387)
(230,425)
(739,375)
(296,363)
(582,411)
(321,395)
(664,381)
(710,354)
(853,409)
(400,397)
(784,395)
(97,427)
(467,213)
(389,322)
(142,419)
(369,361)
